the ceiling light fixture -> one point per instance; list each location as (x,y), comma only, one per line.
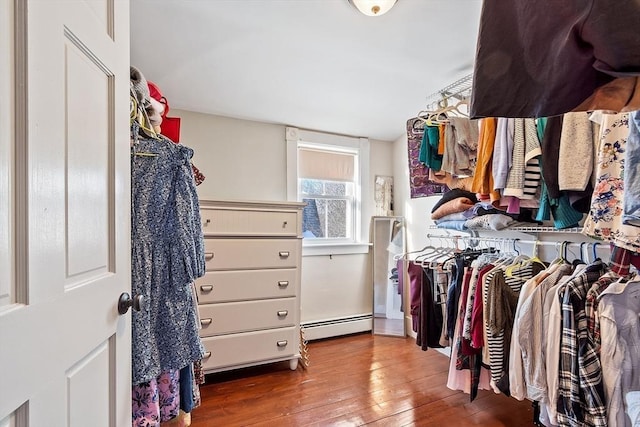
(373,7)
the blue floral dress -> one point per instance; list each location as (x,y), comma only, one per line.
(167,255)
(605,217)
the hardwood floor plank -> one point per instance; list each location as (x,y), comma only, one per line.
(353,381)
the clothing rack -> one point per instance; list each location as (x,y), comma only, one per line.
(561,246)
(508,240)
(459,90)
(521,229)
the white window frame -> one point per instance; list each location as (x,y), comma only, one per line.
(303,138)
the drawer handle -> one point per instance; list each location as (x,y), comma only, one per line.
(207,221)
(283,313)
(282,343)
(283,283)
(208,256)
(284,254)
(206,288)
(206,355)
(284,224)
(206,322)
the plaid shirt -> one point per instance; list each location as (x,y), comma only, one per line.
(591,307)
(620,260)
(581,399)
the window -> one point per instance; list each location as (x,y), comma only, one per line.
(326,172)
(327,183)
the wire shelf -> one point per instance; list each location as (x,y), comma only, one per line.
(459,89)
(521,229)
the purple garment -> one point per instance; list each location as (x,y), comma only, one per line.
(156,401)
(415,280)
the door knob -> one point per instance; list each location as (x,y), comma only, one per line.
(125,301)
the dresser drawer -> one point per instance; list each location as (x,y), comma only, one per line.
(238,349)
(231,317)
(240,222)
(236,254)
(239,285)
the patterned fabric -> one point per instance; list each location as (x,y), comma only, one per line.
(156,401)
(581,399)
(468,304)
(622,259)
(605,217)
(197,175)
(419,182)
(465,359)
(526,147)
(167,255)
(442,279)
(591,306)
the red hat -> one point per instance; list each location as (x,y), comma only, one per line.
(170,125)
(155,93)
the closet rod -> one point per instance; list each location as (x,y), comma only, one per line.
(510,240)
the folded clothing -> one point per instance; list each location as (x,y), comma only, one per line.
(457,205)
(489,222)
(452,195)
(459,216)
(453,225)
(481,208)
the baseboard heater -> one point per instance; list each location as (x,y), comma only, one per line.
(335,327)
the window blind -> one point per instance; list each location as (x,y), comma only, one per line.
(326,165)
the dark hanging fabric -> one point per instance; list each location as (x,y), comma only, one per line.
(186,388)
(550,146)
(555,57)
(400,271)
(429,317)
(453,296)
(414,272)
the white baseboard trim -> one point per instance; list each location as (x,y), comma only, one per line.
(336,327)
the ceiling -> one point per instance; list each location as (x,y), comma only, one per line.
(312,64)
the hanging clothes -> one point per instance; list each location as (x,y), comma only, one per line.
(605,217)
(620,352)
(581,399)
(156,401)
(419,183)
(167,255)
(483,174)
(631,214)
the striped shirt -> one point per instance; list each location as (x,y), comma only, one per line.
(496,344)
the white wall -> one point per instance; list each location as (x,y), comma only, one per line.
(245,160)
(241,159)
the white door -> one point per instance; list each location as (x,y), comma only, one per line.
(64,213)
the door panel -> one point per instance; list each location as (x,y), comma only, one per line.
(6,152)
(88,387)
(66,356)
(88,163)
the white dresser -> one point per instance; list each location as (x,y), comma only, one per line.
(249,298)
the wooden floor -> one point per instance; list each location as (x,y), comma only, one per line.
(353,381)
